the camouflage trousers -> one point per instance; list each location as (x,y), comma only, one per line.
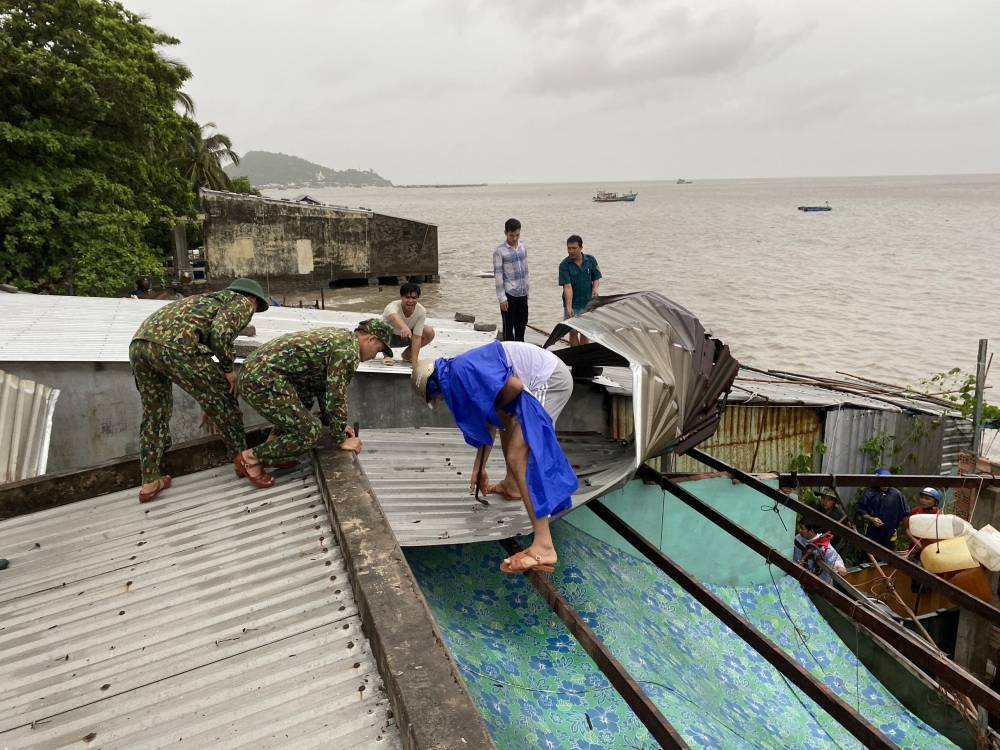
(155,368)
(294,429)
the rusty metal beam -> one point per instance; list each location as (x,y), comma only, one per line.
(917,573)
(869,735)
(650,716)
(913,648)
(970,481)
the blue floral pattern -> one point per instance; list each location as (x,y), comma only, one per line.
(537,688)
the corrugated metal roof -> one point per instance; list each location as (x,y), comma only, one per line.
(26,409)
(759,390)
(421,480)
(298,202)
(39,328)
(220,616)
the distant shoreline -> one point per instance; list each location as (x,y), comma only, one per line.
(471,184)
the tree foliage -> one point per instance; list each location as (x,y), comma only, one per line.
(206,153)
(242,184)
(89,137)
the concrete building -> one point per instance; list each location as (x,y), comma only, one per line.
(290,245)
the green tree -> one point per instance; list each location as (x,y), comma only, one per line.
(205,156)
(88,134)
(242,184)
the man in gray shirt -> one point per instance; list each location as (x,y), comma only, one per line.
(406,316)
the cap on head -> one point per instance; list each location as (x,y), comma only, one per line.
(380,330)
(251,287)
(883,472)
(421,374)
(931,492)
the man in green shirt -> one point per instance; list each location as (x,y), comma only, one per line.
(580,277)
(282,378)
(175,345)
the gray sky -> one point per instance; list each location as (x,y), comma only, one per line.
(563,90)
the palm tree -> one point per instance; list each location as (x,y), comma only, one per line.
(206,153)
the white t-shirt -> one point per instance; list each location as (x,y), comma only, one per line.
(415,322)
(532,365)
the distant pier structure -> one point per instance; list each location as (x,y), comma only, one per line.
(297,244)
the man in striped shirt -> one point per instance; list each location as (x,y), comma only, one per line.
(510,273)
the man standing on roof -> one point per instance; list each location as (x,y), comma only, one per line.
(483,393)
(406,316)
(579,276)
(883,508)
(175,345)
(510,275)
(282,378)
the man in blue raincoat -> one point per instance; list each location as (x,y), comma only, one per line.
(483,395)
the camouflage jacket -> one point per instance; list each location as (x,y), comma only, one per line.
(202,324)
(318,364)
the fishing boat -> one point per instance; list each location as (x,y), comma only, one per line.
(816,208)
(684,182)
(603,196)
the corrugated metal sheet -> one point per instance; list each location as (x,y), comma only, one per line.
(26,409)
(219,616)
(39,328)
(755,438)
(421,480)
(919,443)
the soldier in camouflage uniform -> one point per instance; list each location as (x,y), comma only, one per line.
(176,344)
(281,379)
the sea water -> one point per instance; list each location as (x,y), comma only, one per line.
(898,282)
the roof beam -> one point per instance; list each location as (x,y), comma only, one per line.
(650,716)
(851,720)
(917,573)
(913,648)
(967,481)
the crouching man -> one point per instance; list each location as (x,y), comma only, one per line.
(812,544)
(282,378)
(483,394)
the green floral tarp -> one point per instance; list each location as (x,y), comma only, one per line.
(536,688)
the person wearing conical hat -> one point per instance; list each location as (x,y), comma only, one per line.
(282,378)
(176,344)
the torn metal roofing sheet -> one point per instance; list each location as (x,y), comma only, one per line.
(220,616)
(421,480)
(678,371)
(39,328)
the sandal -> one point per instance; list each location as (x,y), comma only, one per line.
(262,480)
(520,559)
(161,484)
(497,489)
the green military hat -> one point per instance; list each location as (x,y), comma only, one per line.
(380,330)
(251,287)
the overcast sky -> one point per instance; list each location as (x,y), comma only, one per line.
(563,90)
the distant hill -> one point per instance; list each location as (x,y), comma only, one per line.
(266,169)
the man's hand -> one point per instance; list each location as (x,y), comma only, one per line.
(503,306)
(876,521)
(231,378)
(207,424)
(405,332)
(484,480)
(569,312)
(349,431)
(351,444)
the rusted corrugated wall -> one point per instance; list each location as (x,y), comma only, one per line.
(774,433)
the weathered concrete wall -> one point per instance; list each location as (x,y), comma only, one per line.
(98,413)
(298,244)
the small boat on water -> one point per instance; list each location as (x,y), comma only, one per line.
(816,208)
(684,182)
(603,196)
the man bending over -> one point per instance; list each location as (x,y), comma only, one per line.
(406,316)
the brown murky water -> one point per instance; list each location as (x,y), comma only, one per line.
(898,282)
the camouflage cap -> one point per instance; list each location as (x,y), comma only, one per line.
(380,330)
